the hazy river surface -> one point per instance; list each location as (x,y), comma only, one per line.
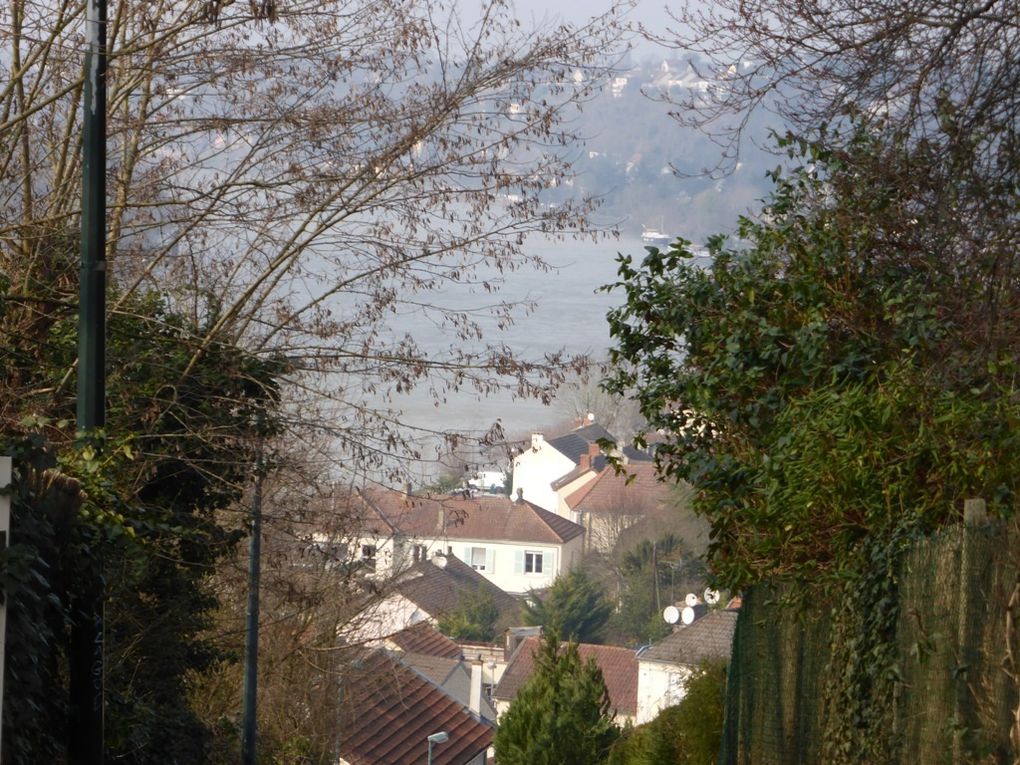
(570,314)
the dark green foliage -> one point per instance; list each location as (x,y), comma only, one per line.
(649,587)
(38,575)
(574,608)
(689,733)
(474,619)
(141,505)
(561,716)
(830,375)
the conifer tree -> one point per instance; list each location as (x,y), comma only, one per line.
(562,714)
(574,607)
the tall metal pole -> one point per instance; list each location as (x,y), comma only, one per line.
(251,642)
(86,659)
(92,306)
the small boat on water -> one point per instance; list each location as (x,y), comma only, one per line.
(654,237)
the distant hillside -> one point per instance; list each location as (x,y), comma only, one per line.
(633,147)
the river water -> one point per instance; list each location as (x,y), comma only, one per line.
(569,314)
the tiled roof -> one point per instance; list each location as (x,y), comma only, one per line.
(424,639)
(710,637)
(458,517)
(437,669)
(613,492)
(438,589)
(619,669)
(389,710)
(575,443)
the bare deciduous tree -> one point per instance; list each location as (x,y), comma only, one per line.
(812,62)
(322,182)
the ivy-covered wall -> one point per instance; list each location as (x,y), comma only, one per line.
(913,662)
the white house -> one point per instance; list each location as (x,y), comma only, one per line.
(607,502)
(665,666)
(543,462)
(515,545)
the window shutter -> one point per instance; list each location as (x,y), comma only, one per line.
(549,564)
(519,561)
(490,560)
(465,555)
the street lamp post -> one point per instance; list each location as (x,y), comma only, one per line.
(436,738)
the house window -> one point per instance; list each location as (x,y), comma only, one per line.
(368,556)
(478,558)
(532,563)
(420,553)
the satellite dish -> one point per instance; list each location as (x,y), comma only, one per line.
(711,596)
(691,599)
(439,561)
(671,614)
(591,416)
(692,613)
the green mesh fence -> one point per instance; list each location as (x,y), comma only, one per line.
(953,702)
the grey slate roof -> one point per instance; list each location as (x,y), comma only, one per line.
(710,637)
(575,443)
(438,590)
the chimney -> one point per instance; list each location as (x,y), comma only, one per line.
(536,441)
(475,693)
(588,460)
(407,489)
(520,495)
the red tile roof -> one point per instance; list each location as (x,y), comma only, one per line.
(611,492)
(619,669)
(458,517)
(422,638)
(389,709)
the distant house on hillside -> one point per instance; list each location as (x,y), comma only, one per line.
(588,467)
(665,666)
(543,462)
(619,669)
(515,545)
(607,502)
